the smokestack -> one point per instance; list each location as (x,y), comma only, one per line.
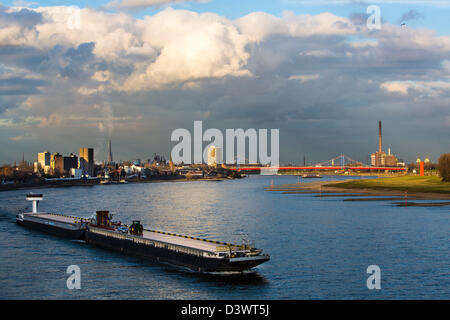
(379,137)
(110,159)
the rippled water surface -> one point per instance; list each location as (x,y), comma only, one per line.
(320,247)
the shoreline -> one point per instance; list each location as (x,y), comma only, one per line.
(4,188)
(327,187)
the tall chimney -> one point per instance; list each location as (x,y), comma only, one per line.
(379,137)
(110,158)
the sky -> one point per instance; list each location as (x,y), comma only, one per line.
(76,74)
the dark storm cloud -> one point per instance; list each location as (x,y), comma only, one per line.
(411,15)
(20,86)
(359,18)
(75,64)
(24,17)
(10,102)
(22,56)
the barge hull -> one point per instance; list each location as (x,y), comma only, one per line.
(54,230)
(158,254)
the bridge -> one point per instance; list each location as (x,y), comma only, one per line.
(341,162)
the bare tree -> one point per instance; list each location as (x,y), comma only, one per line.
(444,167)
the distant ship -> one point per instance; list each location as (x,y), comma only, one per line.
(308,176)
(107,181)
(199,255)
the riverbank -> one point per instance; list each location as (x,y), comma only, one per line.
(410,184)
(421,188)
(53,184)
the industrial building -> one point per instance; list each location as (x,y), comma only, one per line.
(62,165)
(380,158)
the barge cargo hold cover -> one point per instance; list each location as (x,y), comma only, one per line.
(193,253)
(199,255)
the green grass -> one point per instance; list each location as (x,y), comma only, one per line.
(405,183)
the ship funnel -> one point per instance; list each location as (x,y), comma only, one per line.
(35,198)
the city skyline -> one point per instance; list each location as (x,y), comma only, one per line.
(313,71)
(374,159)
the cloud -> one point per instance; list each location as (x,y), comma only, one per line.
(12,85)
(191,46)
(304,77)
(435,88)
(27,136)
(412,15)
(258,26)
(322,77)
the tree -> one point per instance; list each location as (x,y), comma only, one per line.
(444,167)
(6,171)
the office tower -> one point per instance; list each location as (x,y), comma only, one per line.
(86,160)
(214,156)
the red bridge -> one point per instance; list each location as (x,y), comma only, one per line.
(341,162)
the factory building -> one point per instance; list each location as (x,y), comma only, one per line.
(380,158)
(63,165)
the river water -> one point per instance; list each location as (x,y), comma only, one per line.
(320,248)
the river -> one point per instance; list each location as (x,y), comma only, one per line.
(320,248)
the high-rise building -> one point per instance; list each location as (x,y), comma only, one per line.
(86,160)
(70,162)
(63,165)
(44,162)
(214,156)
(44,159)
(55,162)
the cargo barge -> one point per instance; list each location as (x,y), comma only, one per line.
(196,254)
(68,227)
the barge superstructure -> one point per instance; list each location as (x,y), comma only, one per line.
(199,255)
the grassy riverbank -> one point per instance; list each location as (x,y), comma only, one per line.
(430,184)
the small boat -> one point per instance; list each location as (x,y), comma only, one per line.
(108,182)
(308,176)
